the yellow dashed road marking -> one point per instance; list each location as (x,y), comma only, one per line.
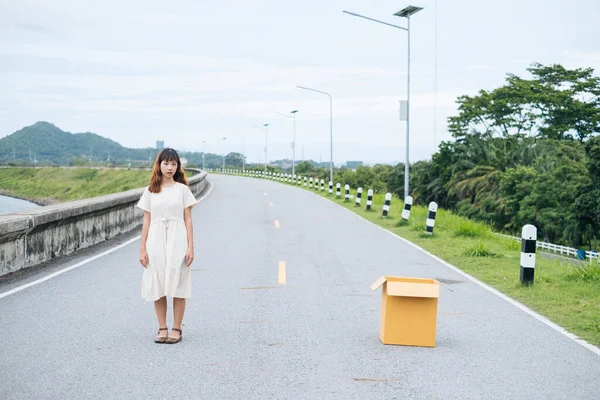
(281,272)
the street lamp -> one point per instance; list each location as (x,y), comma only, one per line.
(243,152)
(265,126)
(405,13)
(204,141)
(330,128)
(294,140)
(224,154)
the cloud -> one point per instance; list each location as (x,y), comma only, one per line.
(35,28)
(480,67)
(154,81)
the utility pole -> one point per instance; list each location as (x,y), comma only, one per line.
(224,155)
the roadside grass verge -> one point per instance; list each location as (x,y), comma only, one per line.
(55,185)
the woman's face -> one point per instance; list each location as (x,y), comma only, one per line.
(168,168)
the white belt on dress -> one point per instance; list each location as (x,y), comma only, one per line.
(165,220)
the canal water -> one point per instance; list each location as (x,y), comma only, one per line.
(10,205)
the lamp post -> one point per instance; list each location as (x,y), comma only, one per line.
(405,13)
(293,140)
(203,142)
(224,154)
(264,126)
(243,152)
(330,128)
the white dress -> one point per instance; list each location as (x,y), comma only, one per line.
(166,273)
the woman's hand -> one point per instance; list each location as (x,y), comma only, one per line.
(144,257)
(189,256)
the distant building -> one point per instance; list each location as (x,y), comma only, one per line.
(353,164)
(160,144)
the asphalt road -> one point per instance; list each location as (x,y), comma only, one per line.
(88,334)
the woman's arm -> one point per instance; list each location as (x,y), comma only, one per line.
(189,254)
(145,228)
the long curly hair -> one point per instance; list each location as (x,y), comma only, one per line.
(168,155)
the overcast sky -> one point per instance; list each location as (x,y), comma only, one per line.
(188,71)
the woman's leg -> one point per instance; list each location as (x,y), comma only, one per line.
(178,311)
(160,306)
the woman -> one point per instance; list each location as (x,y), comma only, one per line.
(167,245)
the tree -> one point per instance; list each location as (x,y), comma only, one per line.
(235,160)
(586,208)
(515,185)
(556,103)
(567,101)
(561,174)
(304,168)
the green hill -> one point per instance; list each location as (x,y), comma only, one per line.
(44,144)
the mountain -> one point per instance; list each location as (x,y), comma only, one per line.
(44,144)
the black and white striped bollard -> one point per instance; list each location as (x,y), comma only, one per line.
(386,204)
(528,246)
(407,206)
(431,217)
(337,189)
(322,184)
(369,199)
(358,196)
(330,187)
(346,192)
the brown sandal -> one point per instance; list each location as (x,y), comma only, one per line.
(160,339)
(171,340)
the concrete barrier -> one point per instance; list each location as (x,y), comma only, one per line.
(31,237)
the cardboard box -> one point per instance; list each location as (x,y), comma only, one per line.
(408,310)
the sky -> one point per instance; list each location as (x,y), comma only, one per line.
(194,72)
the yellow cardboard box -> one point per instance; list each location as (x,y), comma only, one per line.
(408,310)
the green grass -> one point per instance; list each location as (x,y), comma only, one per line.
(480,249)
(470,229)
(52,185)
(586,272)
(567,295)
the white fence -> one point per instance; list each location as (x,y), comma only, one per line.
(556,248)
